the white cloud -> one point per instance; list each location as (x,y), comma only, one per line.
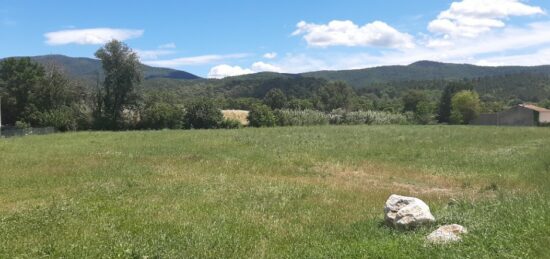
(95,36)
(170,45)
(270,55)
(225,70)
(222,71)
(540,57)
(346,33)
(470,18)
(190,61)
(153,54)
(265,67)
(529,45)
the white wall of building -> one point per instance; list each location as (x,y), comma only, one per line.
(544,117)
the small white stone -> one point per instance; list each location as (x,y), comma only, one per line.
(447,234)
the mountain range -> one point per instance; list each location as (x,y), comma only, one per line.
(505,82)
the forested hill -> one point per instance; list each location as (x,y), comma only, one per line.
(86,68)
(423,71)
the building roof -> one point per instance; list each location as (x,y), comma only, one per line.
(534,108)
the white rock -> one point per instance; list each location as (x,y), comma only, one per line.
(447,234)
(407,212)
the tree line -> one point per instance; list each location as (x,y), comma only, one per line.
(39,96)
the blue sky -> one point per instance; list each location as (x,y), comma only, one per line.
(224,38)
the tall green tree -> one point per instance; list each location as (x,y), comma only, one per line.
(122,75)
(275,99)
(335,95)
(18,79)
(444,110)
(465,107)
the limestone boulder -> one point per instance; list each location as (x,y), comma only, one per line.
(447,234)
(407,212)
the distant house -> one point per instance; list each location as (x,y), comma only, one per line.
(521,115)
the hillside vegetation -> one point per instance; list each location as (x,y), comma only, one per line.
(305,192)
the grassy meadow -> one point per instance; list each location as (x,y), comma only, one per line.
(293,192)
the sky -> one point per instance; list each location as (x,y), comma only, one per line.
(219,38)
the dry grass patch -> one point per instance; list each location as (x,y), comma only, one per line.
(238,115)
(379,179)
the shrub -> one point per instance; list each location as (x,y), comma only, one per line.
(230,124)
(162,115)
(22,125)
(367,117)
(261,116)
(62,119)
(301,118)
(203,114)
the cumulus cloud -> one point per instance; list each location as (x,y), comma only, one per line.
(265,67)
(347,33)
(223,71)
(270,55)
(95,36)
(470,18)
(190,61)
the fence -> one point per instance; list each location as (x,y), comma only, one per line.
(15,132)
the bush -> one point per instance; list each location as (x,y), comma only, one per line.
(230,124)
(203,114)
(163,115)
(261,116)
(367,117)
(301,118)
(22,125)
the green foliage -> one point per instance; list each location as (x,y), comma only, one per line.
(412,99)
(417,102)
(62,118)
(275,99)
(367,117)
(335,95)
(261,116)
(203,114)
(22,125)
(19,78)
(445,105)
(465,107)
(288,117)
(161,115)
(300,104)
(41,97)
(545,104)
(122,74)
(230,124)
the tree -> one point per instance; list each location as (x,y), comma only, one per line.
(275,99)
(465,107)
(203,114)
(19,77)
(451,89)
(411,100)
(261,116)
(335,95)
(122,74)
(417,102)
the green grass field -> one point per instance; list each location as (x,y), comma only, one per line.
(306,192)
